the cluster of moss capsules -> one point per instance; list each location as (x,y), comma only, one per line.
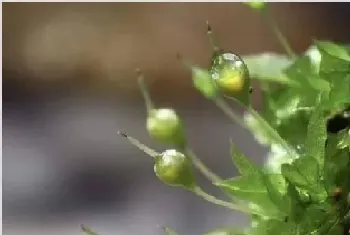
(227,76)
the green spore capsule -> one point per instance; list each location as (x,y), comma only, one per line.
(174,169)
(229,73)
(164,125)
(257,5)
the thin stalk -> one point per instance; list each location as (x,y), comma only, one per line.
(211,38)
(223,105)
(149,106)
(198,191)
(280,37)
(139,145)
(272,131)
(188,152)
(211,176)
(87,230)
(146,96)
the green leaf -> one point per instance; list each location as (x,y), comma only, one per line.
(293,175)
(336,164)
(314,220)
(281,201)
(244,166)
(339,96)
(297,205)
(268,67)
(344,139)
(252,189)
(333,49)
(304,173)
(330,226)
(203,82)
(334,58)
(336,229)
(287,110)
(303,71)
(316,135)
(272,227)
(281,228)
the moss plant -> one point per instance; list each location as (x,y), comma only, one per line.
(304,189)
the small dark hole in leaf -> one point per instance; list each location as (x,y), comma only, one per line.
(337,194)
(338,122)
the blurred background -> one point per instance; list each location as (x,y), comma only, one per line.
(69,85)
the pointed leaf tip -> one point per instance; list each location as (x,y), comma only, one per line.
(87,230)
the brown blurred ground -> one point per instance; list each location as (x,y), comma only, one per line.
(97,46)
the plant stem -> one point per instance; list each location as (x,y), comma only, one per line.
(87,230)
(214,47)
(146,96)
(211,176)
(272,132)
(198,191)
(223,105)
(140,145)
(282,40)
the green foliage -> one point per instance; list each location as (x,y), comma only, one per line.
(243,165)
(307,192)
(203,82)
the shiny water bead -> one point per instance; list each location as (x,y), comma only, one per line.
(229,73)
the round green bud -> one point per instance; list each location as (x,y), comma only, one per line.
(256,5)
(174,169)
(166,126)
(229,73)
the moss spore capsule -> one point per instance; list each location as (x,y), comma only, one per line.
(256,5)
(229,73)
(174,169)
(166,126)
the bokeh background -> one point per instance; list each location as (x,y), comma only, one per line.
(69,85)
